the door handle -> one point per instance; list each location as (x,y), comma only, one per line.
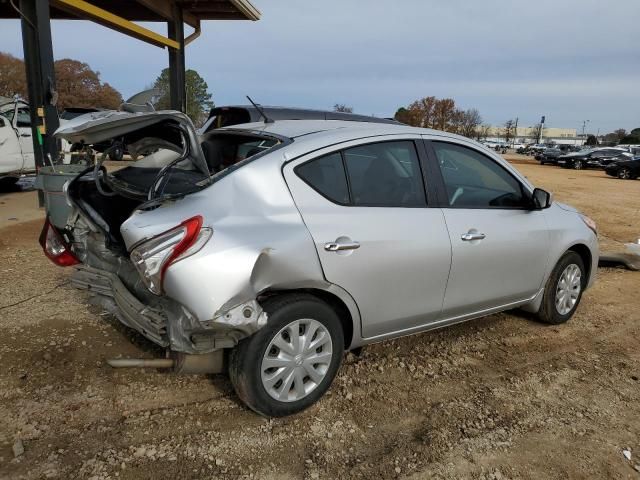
(467,237)
(25,134)
(337,246)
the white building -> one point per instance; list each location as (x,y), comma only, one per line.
(561,136)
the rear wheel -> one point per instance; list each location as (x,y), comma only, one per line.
(290,363)
(563,291)
(624,173)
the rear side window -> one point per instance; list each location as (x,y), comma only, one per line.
(326,176)
(386,174)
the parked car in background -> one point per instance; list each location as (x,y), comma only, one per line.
(590,158)
(551,154)
(624,167)
(16,144)
(282,244)
(230,115)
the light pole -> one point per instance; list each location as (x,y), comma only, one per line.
(584,124)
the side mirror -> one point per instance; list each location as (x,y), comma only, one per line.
(541,199)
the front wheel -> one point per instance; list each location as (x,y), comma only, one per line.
(286,366)
(563,291)
(624,173)
(577,164)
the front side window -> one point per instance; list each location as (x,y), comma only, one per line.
(473,180)
(385,174)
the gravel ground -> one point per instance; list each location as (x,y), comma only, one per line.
(501,397)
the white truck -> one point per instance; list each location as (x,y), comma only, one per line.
(16,144)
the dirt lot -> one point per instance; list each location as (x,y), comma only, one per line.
(501,397)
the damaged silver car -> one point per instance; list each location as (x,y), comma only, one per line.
(269,249)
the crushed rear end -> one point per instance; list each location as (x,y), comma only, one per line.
(128,226)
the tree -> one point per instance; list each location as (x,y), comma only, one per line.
(536,131)
(441,114)
(341,107)
(509,130)
(620,133)
(444,115)
(591,140)
(79,86)
(614,137)
(483,131)
(13,80)
(470,120)
(198,101)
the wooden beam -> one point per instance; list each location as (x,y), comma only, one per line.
(163,8)
(88,11)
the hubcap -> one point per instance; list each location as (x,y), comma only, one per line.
(624,173)
(568,289)
(296,360)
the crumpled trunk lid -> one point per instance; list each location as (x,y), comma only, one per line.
(97,127)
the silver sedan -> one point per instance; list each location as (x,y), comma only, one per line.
(270,249)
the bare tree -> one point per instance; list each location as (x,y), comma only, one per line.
(509,130)
(536,131)
(470,120)
(441,114)
(341,107)
(483,131)
(620,133)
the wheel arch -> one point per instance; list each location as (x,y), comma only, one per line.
(348,318)
(585,254)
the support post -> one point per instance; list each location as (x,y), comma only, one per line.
(177,90)
(41,80)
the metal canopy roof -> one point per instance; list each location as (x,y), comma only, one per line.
(156,10)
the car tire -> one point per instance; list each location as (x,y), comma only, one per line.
(624,173)
(292,383)
(563,292)
(577,165)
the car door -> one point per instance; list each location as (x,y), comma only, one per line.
(376,234)
(10,153)
(22,124)
(499,245)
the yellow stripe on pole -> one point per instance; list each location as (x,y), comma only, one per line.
(86,10)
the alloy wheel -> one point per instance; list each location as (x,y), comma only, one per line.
(296,360)
(624,173)
(568,289)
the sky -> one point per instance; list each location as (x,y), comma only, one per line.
(570,60)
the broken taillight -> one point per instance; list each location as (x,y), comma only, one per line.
(55,247)
(153,257)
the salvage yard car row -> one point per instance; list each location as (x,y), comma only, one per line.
(621,162)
